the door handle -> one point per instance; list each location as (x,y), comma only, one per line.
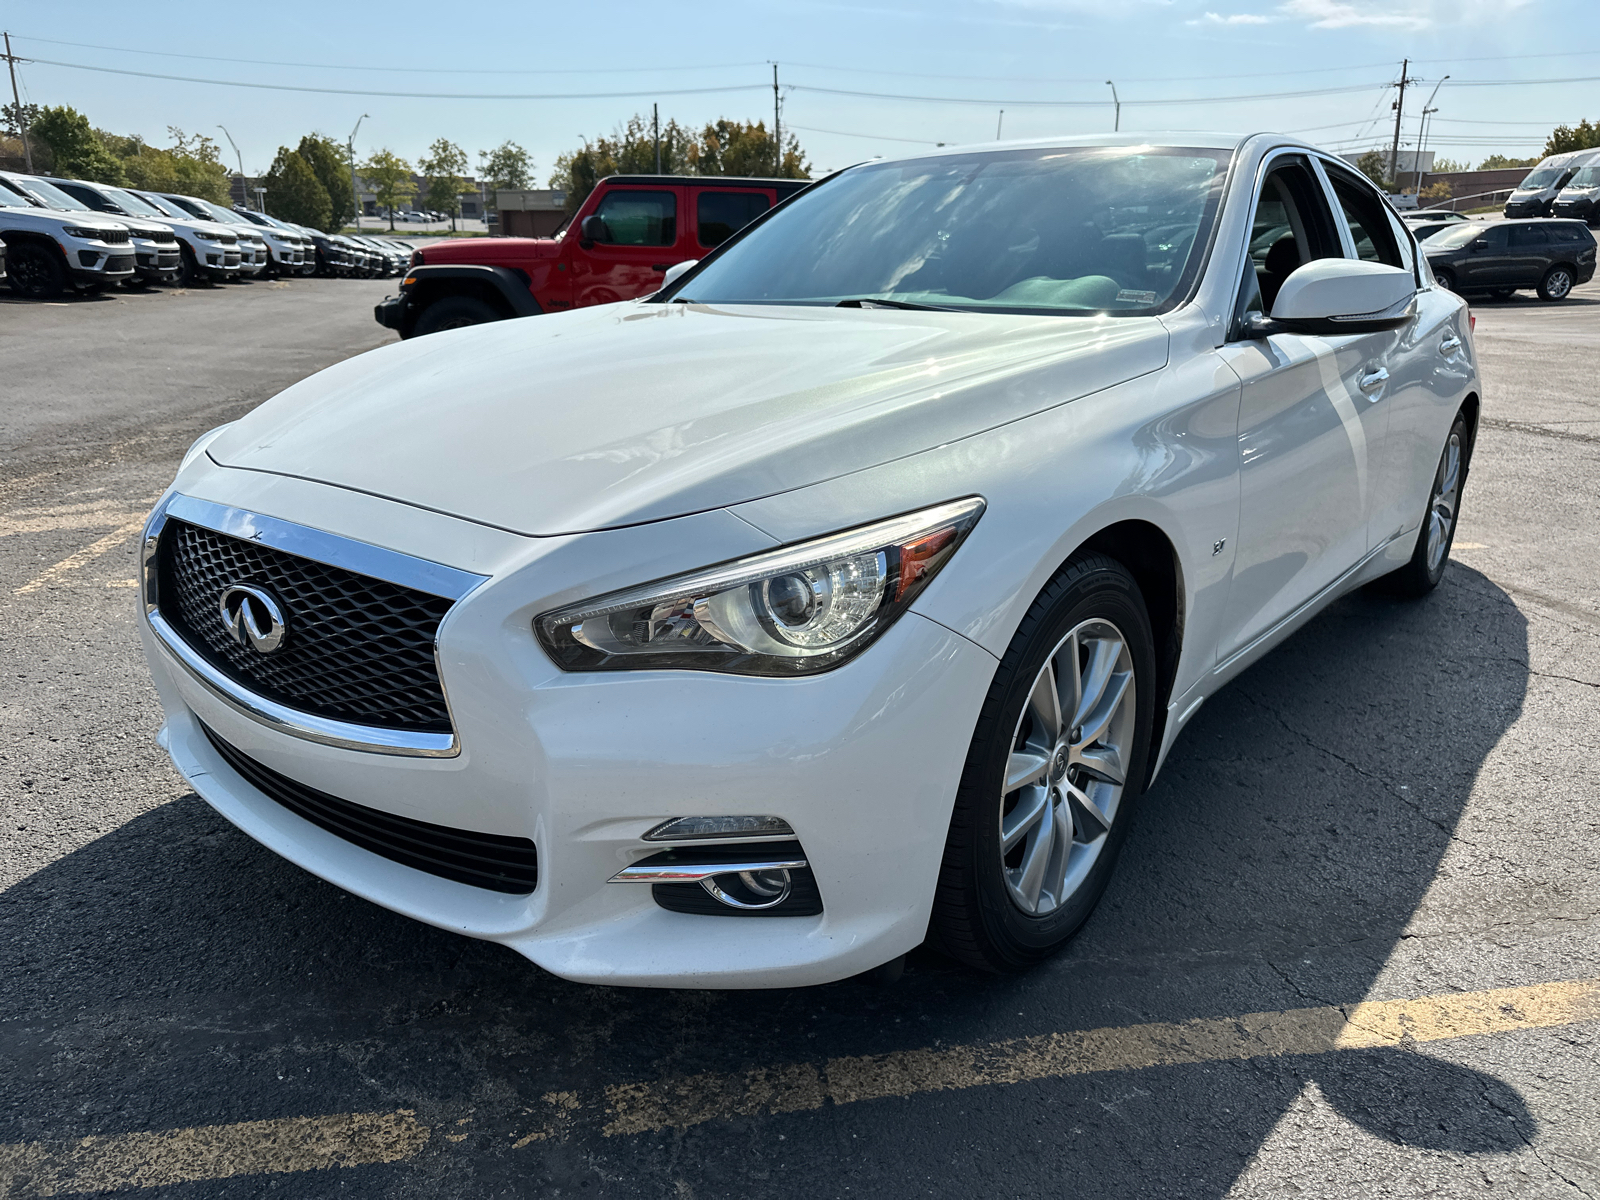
(1372,382)
(1450,345)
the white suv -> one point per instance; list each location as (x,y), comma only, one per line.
(287,248)
(49,251)
(155,246)
(211,250)
(255,253)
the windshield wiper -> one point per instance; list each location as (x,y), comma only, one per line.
(875,302)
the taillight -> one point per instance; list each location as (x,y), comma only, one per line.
(1472,322)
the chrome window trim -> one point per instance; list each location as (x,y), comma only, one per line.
(348,554)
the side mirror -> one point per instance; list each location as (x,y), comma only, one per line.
(593,230)
(1335,296)
(677,271)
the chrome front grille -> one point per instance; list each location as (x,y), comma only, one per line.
(358,649)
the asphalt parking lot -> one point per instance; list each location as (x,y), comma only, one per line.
(1350,949)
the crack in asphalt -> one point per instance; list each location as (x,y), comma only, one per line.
(1538,430)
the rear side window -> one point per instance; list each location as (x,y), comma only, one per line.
(1570,234)
(1366,216)
(720,215)
(640,218)
(78,192)
(1526,237)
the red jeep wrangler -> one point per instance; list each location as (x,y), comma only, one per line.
(617,246)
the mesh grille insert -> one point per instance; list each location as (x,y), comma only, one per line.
(486,860)
(358,649)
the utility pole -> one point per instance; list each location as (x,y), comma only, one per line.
(999,124)
(1116,123)
(1399,111)
(777,134)
(22,120)
(355,196)
(655,126)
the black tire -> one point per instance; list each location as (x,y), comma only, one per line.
(1503,293)
(453,312)
(1557,283)
(1445,278)
(974,917)
(189,273)
(1425,569)
(35,271)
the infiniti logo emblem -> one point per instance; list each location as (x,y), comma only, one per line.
(253,617)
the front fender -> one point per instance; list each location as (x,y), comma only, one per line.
(506,283)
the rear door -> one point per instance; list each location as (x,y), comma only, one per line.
(642,224)
(1307,422)
(719,213)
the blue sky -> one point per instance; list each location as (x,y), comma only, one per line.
(857,80)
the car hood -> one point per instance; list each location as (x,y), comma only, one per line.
(636,412)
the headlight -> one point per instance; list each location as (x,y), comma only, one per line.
(207,235)
(793,611)
(83,231)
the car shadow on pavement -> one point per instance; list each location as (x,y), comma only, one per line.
(175,973)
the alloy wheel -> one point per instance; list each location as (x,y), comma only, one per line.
(1442,504)
(1558,283)
(1068,766)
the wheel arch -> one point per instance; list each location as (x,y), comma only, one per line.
(501,288)
(1471,408)
(1150,556)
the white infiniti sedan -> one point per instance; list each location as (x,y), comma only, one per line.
(847,592)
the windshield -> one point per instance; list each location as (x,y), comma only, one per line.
(1586,178)
(1455,237)
(217,213)
(166,207)
(10,198)
(132,203)
(51,195)
(1539,179)
(1047,230)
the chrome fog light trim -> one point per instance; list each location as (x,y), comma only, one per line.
(650,871)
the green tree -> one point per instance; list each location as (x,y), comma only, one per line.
(328,163)
(1499,162)
(444,171)
(507,166)
(192,167)
(1374,164)
(75,148)
(745,148)
(1565,138)
(1445,166)
(293,192)
(389,177)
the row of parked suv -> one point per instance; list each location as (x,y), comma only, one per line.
(62,234)
(1498,257)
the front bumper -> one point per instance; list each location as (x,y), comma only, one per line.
(1581,209)
(95,262)
(390,312)
(862,761)
(1526,208)
(157,261)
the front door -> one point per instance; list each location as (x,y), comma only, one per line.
(1487,262)
(1528,256)
(1309,425)
(642,227)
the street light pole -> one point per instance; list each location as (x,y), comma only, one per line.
(1116,124)
(355,196)
(1422,130)
(244,184)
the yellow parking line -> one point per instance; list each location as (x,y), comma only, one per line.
(679,1103)
(150,1160)
(355,1139)
(70,516)
(88,554)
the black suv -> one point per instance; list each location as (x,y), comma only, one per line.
(1499,257)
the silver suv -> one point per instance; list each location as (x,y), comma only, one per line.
(49,251)
(211,250)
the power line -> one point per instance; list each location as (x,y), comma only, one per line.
(876,137)
(806,87)
(271,62)
(285,87)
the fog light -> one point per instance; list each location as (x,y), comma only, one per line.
(684,829)
(750,889)
(88,257)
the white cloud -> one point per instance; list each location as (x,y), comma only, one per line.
(1338,14)
(1212,18)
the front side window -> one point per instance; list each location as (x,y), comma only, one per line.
(1364,213)
(1053,230)
(720,215)
(640,218)
(1292,226)
(133,204)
